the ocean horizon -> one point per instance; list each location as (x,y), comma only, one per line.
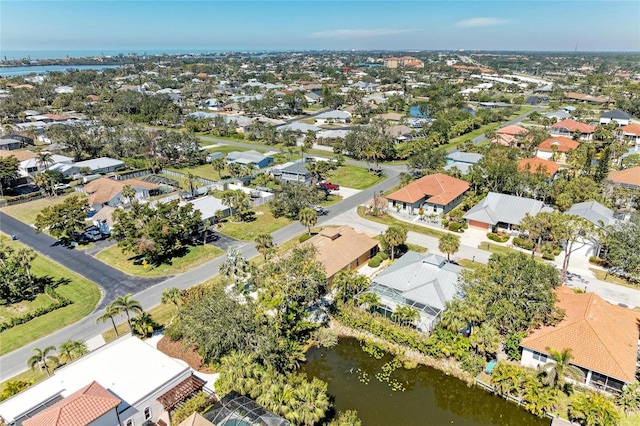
(35,55)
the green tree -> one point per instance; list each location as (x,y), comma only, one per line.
(559,367)
(575,232)
(44,158)
(539,228)
(43,358)
(449,244)
(538,400)
(311,402)
(346,418)
(508,379)
(237,201)
(125,304)
(395,235)
(189,181)
(219,165)
(593,409)
(370,301)
(348,284)
(235,267)
(308,217)
(629,399)
(172,295)
(64,220)
(485,340)
(142,324)
(405,315)
(292,199)
(110,312)
(8,171)
(72,349)
(264,244)
(43,181)
(602,171)
(12,387)
(129,193)
(623,247)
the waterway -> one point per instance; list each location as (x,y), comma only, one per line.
(44,69)
(429,396)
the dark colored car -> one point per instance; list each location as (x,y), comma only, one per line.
(320,211)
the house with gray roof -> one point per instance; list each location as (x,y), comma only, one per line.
(502,211)
(249,157)
(559,115)
(298,126)
(462,161)
(595,213)
(423,282)
(617,115)
(292,172)
(333,117)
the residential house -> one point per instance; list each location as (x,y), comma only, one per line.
(342,248)
(298,126)
(237,410)
(629,178)
(508,135)
(108,192)
(630,132)
(599,215)
(20,154)
(128,370)
(603,339)
(558,115)
(462,161)
(568,127)
(394,117)
(31,166)
(399,133)
(556,148)
(425,282)
(100,165)
(313,98)
(436,193)
(292,172)
(535,165)
(587,98)
(249,157)
(8,144)
(332,117)
(210,208)
(502,211)
(617,115)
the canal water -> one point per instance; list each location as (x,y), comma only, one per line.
(415,397)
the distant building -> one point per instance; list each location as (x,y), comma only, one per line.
(556,148)
(249,157)
(597,100)
(292,173)
(331,117)
(535,165)
(462,161)
(404,61)
(569,126)
(629,178)
(617,115)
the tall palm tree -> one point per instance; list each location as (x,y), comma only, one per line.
(559,367)
(44,158)
(72,349)
(190,181)
(308,217)
(172,295)
(235,266)
(394,236)
(449,244)
(405,315)
(109,313)
(370,300)
(129,193)
(127,305)
(42,357)
(218,165)
(143,324)
(264,244)
(348,284)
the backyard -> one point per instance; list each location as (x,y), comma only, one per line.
(264,222)
(354,177)
(28,211)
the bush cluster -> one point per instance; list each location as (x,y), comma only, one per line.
(61,302)
(498,237)
(455,227)
(378,259)
(522,243)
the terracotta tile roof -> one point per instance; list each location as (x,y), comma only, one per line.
(534,164)
(93,97)
(78,409)
(573,125)
(512,130)
(56,116)
(439,189)
(561,143)
(588,98)
(339,247)
(180,392)
(631,129)
(628,176)
(20,154)
(102,190)
(602,337)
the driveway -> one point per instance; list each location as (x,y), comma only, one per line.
(223,242)
(113,282)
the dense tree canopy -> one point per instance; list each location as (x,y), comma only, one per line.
(65,220)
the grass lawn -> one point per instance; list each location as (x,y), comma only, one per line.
(494,248)
(27,212)
(264,222)
(204,171)
(466,263)
(388,220)
(196,256)
(84,294)
(612,278)
(161,314)
(354,177)
(225,149)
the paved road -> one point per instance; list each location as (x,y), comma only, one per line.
(516,120)
(113,282)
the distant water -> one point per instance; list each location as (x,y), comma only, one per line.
(44,69)
(61,54)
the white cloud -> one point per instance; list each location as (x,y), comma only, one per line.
(480,22)
(357,33)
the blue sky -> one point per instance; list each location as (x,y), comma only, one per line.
(281,25)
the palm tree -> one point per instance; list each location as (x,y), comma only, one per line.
(405,315)
(44,158)
(559,367)
(449,244)
(42,357)
(348,284)
(143,324)
(172,295)
(218,165)
(127,305)
(72,349)
(234,267)
(43,181)
(264,244)
(485,340)
(109,313)
(312,402)
(394,236)
(593,409)
(189,181)
(370,300)
(129,193)
(308,217)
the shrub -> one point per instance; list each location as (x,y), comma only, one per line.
(497,238)
(522,243)
(304,237)
(548,256)
(455,226)
(596,260)
(199,402)
(382,255)
(472,363)
(374,263)
(445,222)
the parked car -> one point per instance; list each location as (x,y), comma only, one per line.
(320,211)
(328,186)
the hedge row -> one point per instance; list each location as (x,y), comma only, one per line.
(498,238)
(378,259)
(522,243)
(61,302)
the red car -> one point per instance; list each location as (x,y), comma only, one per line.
(328,186)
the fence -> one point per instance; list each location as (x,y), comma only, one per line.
(198,179)
(133,175)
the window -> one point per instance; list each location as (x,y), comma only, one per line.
(130,422)
(147,413)
(539,357)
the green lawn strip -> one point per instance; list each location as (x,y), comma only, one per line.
(225,149)
(204,171)
(466,263)
(264,222)
(354,177)
(388,220)
(600,275)
(28,211)
(196,256)
(161,314)
(84,294)
(497,248)
(21,308)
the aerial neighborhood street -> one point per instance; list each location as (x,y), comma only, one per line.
(298,237)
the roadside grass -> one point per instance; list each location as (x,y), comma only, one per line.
(196,256)
(466,263)
(161,314)
(225,149)
(354,177)
(28,211)
(494,248)
(16,309)
(264,222)
(84,294)
(600,275)
(225,138)
(388,220)
(416,248)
